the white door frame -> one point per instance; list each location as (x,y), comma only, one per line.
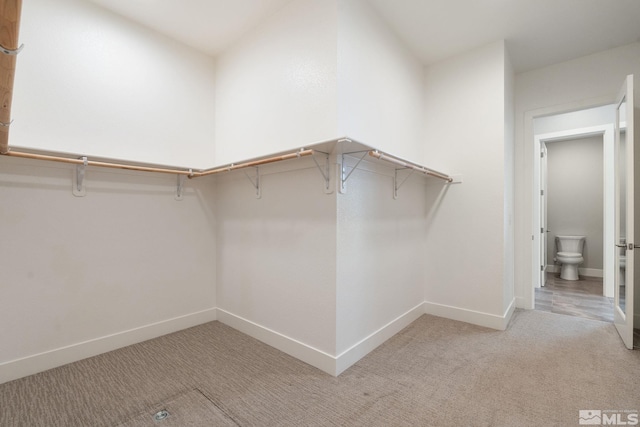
(544,224)
(525,234)
(607,134)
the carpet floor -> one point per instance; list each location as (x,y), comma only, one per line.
(542,370)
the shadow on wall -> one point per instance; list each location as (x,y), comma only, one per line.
(435,196)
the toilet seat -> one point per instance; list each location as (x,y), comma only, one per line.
(569,258)
(569,255)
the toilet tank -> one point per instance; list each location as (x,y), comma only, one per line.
(570,243)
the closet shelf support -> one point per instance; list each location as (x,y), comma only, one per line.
(255,182)
(78,185)
(326,174)
(180,187)
(344,176)
(397,184)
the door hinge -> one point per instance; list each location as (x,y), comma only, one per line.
(541,230)
(542,268)
(542,192)
(542,154)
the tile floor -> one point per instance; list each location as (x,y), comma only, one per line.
(581,298)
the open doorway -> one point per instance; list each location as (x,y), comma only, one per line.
(574,199)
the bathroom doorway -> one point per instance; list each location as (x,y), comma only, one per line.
(621,162)
(573,204)
(575,186)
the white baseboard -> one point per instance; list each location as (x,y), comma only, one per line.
(522,302)
(368,344)
(325,362)
(335,365)
(508,313)
(301,351)
(470,316)
(590,272)
(30,365)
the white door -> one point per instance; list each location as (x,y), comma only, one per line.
(624,213)
(543,213)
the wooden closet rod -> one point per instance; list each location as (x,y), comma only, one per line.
(9,28)
(189,173)
(13,153)
(418,168)
(299,153)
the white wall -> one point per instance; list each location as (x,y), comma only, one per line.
(332,294)
(325,277)
(276,88)
(465,133)
(380,84)
(85,275)
(509,178)
(581,83)
(90,82)
(317,71)
(380,240)
(575,191)
(380,272)
(277,254)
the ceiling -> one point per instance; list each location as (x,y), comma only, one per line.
(537,32)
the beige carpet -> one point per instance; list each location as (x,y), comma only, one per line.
(437,372)
(190,409)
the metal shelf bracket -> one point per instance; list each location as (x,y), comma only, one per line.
(325,171)
(255,182)
(78,184)
(344,176)
(398,183)
(180,186)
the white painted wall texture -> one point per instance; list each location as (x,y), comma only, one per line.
(90,82)
(380,252)
(277,254)
(380,84)
(82,274)
(310,272)
(575,183)
(509,190)
(324,277)
(321,292)
(465,133)
(276,88)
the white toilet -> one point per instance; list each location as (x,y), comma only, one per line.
(569,255)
